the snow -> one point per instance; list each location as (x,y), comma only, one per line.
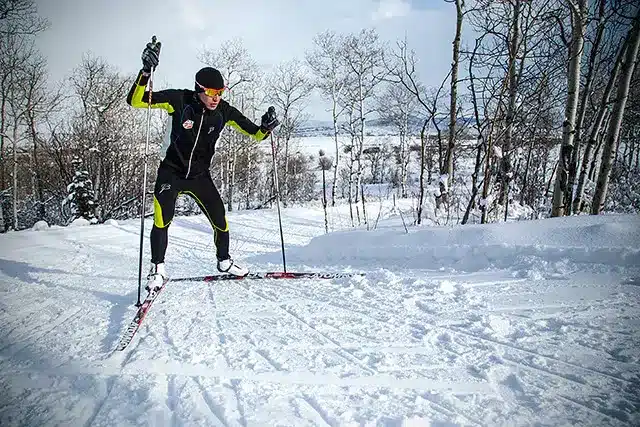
(497,151)
(80,222)
(521,323)
(40,225)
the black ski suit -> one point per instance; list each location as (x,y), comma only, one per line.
(185,167)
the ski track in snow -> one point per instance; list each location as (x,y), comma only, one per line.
(552,340)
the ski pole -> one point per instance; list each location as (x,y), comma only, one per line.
(144,182)
(277,187)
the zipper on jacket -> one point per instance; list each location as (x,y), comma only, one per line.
(194,144)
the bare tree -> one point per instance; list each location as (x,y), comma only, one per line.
(488,84)
(19,22)
(397,105)
(446,171)
(362,56)
(100,129)
(350,126)
(518,63)
(480,125)
(17,103)
(20,18)
(630,130)
(239,71)
(40,101)
(247,170)
(324,61)
(288,89)
(14,53)
(579,14)
(595,130)
(233,61)
(611,142)
(16,113)
(594,52)
(401,68)
(512,80)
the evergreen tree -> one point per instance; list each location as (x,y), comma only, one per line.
(81,196)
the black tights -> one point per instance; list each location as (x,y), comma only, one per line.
(167,188)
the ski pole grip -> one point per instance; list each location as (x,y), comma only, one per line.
(156,45)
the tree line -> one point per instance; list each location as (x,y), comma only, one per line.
(539,108)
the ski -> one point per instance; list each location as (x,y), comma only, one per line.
(133,327)
(267,275)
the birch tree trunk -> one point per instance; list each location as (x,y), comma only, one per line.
(424,138)
(480,148)
(360,138)
(573,165)
(595,131)
(2,227)
(324,201)
(512,81)
(3,121)
(610,148)
(15,176)
(447,166)
(579,12)
(350,187)
(285,180)
(101,154)
(250,167)
(37,180)
(486,185)
(334,115)
(595,162)
(359,186)
(404,157)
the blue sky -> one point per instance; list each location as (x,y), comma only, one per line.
(273,31)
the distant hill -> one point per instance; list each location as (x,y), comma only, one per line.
(374,127)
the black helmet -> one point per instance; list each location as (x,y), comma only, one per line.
(208,78)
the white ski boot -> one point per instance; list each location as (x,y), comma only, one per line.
(230,267)
(156,277)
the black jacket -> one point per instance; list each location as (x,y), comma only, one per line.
(194,128)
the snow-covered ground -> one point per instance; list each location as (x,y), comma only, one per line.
(518,324)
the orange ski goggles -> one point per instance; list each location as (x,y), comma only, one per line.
(210,91)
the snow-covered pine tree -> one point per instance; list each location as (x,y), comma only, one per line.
(81,197)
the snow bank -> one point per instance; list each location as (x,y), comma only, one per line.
(79,222)
(609,240)
(40,225)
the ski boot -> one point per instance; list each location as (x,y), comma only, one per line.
(230,267)
(156,277)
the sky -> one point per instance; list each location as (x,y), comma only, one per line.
(272,31)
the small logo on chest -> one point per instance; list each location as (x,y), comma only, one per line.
(188,124)
(211,129)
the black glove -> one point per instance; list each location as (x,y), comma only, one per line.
(151,55)
(269,120)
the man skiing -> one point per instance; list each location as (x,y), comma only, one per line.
(197,118)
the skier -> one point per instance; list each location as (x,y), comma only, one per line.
(197,118)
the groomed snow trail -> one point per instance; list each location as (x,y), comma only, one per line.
(509,324)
